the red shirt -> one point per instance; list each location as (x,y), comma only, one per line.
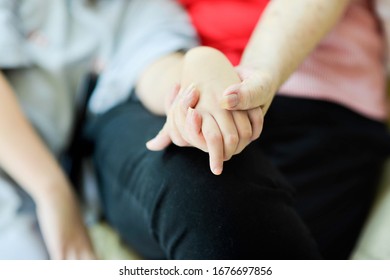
(225,24)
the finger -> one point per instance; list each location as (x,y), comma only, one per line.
(160,141)
(230,135)
(230,98)
(189,101)
(193,128)
(252,92)
(171,97)
(194,119)
(256,118)
(190,98)
(176,128)
(244,128)
(213,138)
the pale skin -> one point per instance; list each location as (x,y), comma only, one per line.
(219,134)
(25,158)
(287,32)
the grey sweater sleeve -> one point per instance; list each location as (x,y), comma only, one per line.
(151,29)
(12,51)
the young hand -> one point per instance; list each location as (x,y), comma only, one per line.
(210,128)
(219,132)
(62,226)
(177,103)
(222,133)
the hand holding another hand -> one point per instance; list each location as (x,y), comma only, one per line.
(256,89)
(199,122)
(195,116)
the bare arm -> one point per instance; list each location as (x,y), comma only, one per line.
(214,130)
(22,154)
(286,33)
(158,80)
(27,160)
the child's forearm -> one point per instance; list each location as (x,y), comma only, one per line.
(208,66)
(287,32)
(22,153)
(158,80)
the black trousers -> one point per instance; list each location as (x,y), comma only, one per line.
(312,174)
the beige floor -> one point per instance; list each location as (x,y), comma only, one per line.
(374,242)
(108,245)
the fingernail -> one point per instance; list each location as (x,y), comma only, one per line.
(149,143)
(189,97)
(217,170)
(230,101)
(190,89)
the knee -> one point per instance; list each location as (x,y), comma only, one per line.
(217,219)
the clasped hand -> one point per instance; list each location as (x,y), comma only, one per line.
(195,117)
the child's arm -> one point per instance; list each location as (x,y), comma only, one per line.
(26,159)
(157,89)
(157,81)
(225,134)
(286,33)
(221,133)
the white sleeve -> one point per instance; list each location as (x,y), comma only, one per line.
(151,29)
(12,42)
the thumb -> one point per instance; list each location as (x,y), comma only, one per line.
(251,93)
(160,141)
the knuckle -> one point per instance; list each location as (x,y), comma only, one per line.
(231,139)
(257,121)
(246,133)
(260,118)
(190,132)
(257,126)
(213,136)
(259,129)
(256,135)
